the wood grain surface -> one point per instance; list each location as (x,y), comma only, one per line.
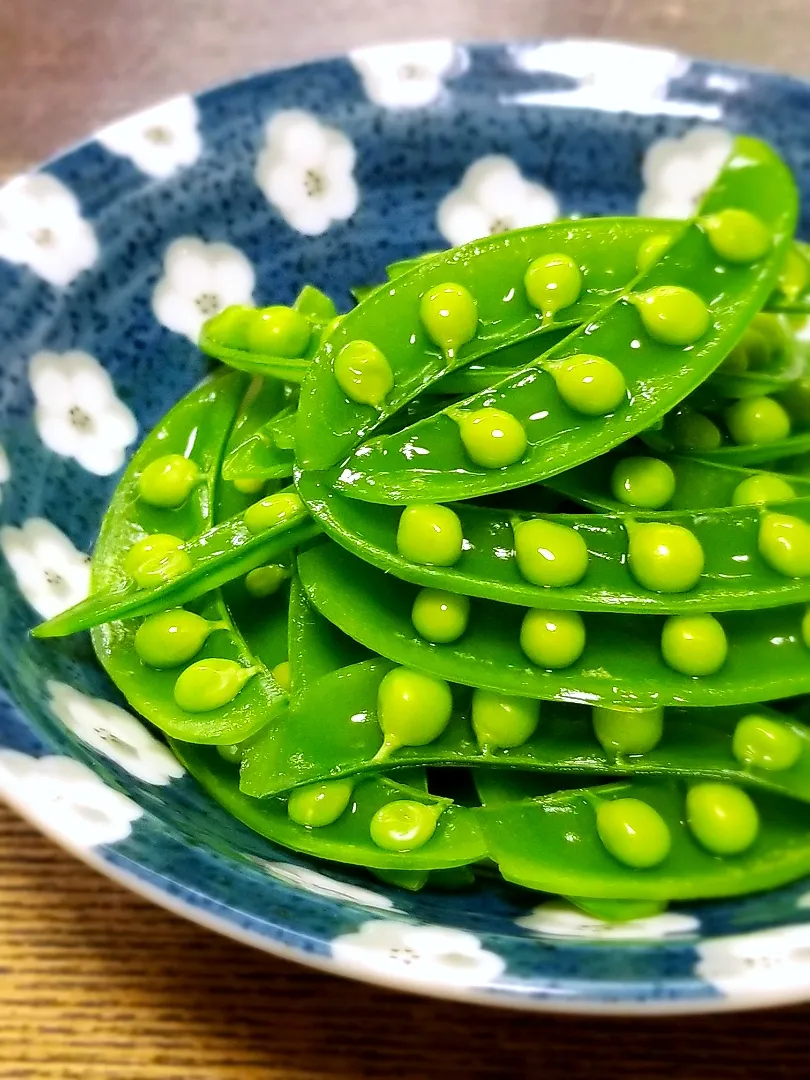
(96,984)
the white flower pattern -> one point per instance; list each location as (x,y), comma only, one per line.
(758,966)
(321,885)
(610,76)
(41,227)
(114,733)
(409,75)
(77,412)
(306,171)
(493,196)
(678,172)
(51,573)
(159,141)
(65,799)
(558,919)
(200,280)
(418,955)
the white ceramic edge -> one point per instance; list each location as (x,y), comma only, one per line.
(220,925)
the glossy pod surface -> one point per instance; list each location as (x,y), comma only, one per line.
(429,461)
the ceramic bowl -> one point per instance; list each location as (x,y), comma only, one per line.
(112,255)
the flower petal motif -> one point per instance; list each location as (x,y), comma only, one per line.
(558,919)
(305,171)
(114,733)
(159,141)
(51,573)
(410,75)
(678,172)
(320,885)
(200,280)
(757,965)
(610,76)
(493,196)
(77,411)
(66,799)
(418,955)
(41,227)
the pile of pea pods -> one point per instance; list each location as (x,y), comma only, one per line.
(506,570)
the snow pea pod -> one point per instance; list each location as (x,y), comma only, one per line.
(631,478)
(694,743)
(551,843)
(261,455)
(614,663)
(494,562)
(315,646)
(214,557)
(760,453)
(456,841)
(331,424)
(148,660)
(642,368)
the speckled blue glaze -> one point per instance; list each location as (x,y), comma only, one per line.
(183,849)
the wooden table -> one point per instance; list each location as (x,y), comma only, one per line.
(96,984)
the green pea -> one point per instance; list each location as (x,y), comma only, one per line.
(590,385)
(770,328)
(167,481)
(756,421)
(736,363)
(794,274)
(548,553)
(266,580)
(722,818)
(281,673)
(694,431)
(651,251)
(316,805)
(694,644)
(737,235)
(552,282)
(633,832)
(440,617)
(363,373)
(664,558)
(762,488)
(278,331)
(246,486)
(672,315)
(552,639)
(272,510)
(784,544)
(492,438)
(501,722)
(449,315)
(413,709)
(210,684)
(766,743)
(626,730)
(404,825)
(643,482)
(229,327)
(156,559)
(430,535)
(171,638)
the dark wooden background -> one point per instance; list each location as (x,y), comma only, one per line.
(96,984)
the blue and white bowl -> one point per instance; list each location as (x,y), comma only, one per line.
(112,255)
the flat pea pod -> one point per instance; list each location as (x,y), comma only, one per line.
(550,843)
(331,425)
(696,484)
(584,558)
(278,342)
(128,650)
(259,456)
(702,305)
(217,556)
(767,656)
(761,453)
(456,840)
(712,744)
(314,645)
